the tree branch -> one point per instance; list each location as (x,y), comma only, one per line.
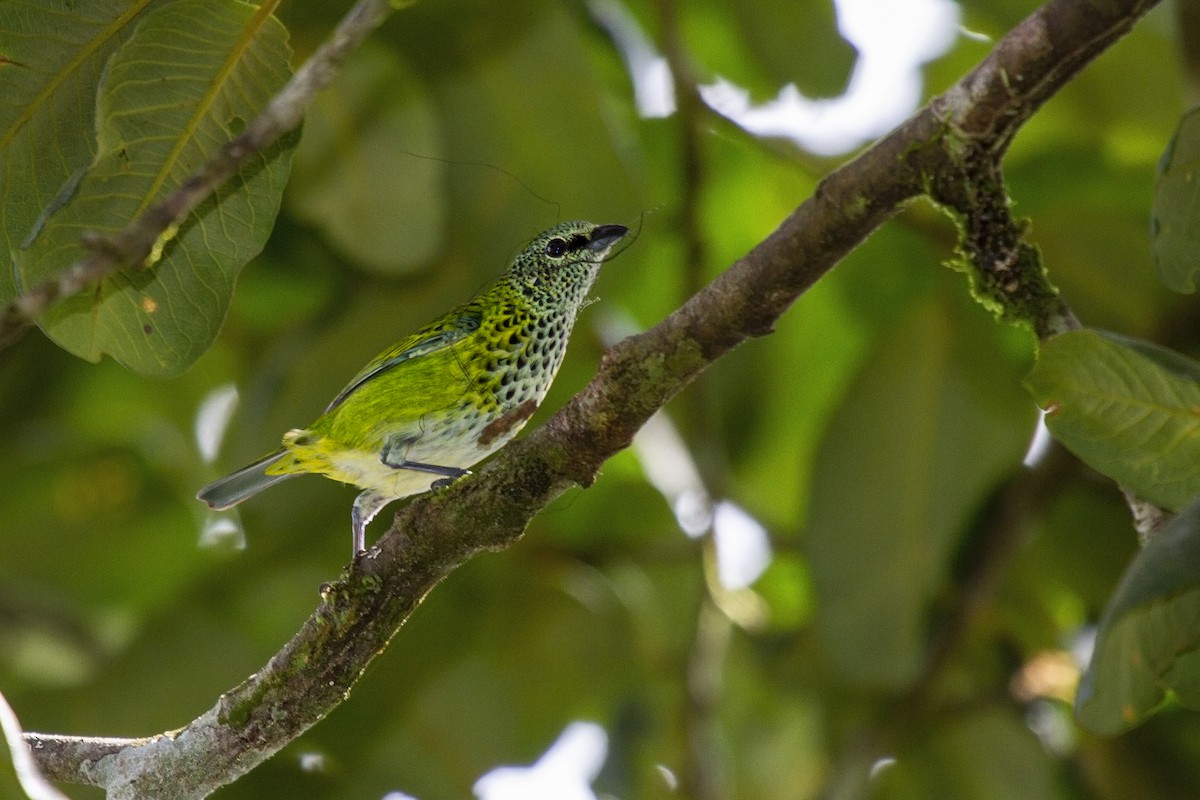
(133,245)
(969,125)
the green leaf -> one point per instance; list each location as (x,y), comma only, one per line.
(187,81)
(801,48)
(50,64)
(765,45)
(1173,222)
(987,754)
(1149,637)
(369,171)
(1131,412)
(933,421)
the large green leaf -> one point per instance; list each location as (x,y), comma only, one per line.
(50,63)
(1174,228)
(369,171)
(765,45)
(1149,637)
(933,421)
(1130,411)
(187,81)
(792,46)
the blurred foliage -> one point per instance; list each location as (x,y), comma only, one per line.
(1149,637)
(955,433)
(921,630)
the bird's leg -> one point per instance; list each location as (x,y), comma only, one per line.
(392,455)
(365,507)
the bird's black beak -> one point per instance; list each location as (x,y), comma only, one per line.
(605,236)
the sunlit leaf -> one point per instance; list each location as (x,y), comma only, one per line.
(766,45)
(187,81)
(934,420)
(1131,412)
(1176,213)
(51,57)
(1149,639)
(801,48)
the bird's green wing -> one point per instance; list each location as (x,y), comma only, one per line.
(441,334)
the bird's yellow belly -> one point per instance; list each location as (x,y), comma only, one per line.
(443,444)
(366,471)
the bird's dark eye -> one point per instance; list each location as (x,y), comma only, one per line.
(556,247)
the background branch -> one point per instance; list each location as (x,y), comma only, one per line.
(970,124)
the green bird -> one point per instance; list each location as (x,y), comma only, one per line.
(424,410)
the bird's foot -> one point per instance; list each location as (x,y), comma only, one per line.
(442,483)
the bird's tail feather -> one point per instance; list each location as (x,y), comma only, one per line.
(236,487)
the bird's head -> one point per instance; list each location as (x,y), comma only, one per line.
(560,265)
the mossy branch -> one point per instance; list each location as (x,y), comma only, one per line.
(359,613)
